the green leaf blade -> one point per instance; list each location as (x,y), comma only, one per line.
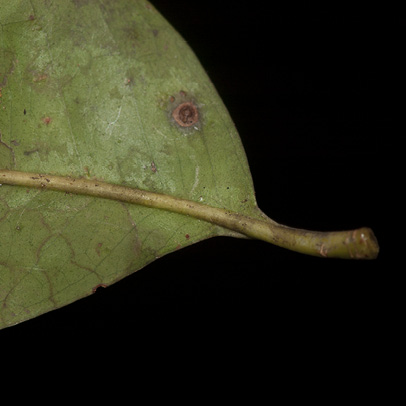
(115,149)
(88,90)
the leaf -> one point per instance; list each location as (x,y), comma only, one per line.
(94,91)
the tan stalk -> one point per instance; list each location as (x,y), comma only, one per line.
(354,244)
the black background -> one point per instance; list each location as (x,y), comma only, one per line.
(311,94)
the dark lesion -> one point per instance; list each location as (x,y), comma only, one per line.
(8,64)
(184,111)
(186,114)
(31,151)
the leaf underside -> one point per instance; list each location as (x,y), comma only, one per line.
(89,89)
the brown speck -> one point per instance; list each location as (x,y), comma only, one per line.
(187,236)
(186,114)
(25,112)
(31,17)
(40,78)
(100,285)
(46,120)
(171,99)
(153,167)
(98,247)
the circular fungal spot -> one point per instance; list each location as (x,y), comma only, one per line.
(186,114)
